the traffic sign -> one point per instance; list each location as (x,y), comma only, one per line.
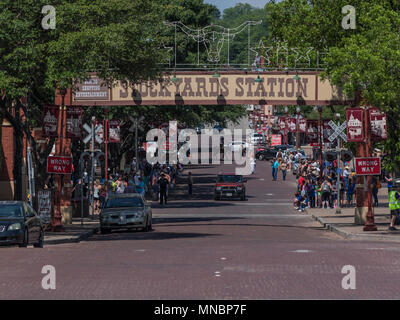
(98,129)
(59,164)
(337,131)
(368,166)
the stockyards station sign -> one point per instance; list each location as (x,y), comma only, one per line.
(204,88)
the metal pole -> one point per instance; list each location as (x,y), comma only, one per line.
(92,173)
(297,132)
(320,133)
(136,145)
(106,147)
(370,223)
(338,210)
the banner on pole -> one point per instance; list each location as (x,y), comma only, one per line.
(302,125)
(378,124)
(312,131)
(74,122)
(355,124)
(114,130)
(50,120)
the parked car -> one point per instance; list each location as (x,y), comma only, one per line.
(20,224)
(230,185)
(125,211)
(238,146)
(266,154)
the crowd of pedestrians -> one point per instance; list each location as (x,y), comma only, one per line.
(151,181)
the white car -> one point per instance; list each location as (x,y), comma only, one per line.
(237,146)
(255,138)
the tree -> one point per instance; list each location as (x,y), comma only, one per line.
(365,59)
(117,38)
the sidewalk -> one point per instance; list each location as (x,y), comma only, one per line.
(73,233)
(343,224)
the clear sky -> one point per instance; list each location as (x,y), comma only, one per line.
(223,4)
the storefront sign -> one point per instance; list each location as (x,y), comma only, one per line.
(368,166)
(276,140)
(200,88)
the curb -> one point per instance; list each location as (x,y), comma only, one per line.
(75,239)
(351,236)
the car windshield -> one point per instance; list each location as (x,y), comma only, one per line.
(124,202)
(11,210)
(229,178)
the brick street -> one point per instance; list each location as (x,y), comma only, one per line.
(205,249)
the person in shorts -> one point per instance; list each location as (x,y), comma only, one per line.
(326,189)
(394,206)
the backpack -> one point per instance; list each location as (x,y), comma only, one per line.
(325,187)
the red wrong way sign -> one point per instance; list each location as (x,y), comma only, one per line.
(59,165)
(368,166)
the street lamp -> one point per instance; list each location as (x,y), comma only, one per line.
(286,131)
(297,128)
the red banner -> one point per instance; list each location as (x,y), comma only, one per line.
(59,165)
(276,140)
(114,131)
(378,124)
(355,124)
(312,131)
(50,121)
(282,122)
(74,122)
(302,125)
(368,166)
(292,124)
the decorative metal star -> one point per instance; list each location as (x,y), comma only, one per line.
(262,51)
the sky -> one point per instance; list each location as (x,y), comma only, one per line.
(223,4)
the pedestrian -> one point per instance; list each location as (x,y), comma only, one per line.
(163,183)
(350,191)
(275,167)
(389,181)
(283,169)
(190,183)
(96,197)
(326,189)
(394,206)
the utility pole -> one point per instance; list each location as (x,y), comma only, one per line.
(338,150)
(93,168)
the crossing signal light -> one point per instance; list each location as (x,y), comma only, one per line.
(330,156)
(346,155)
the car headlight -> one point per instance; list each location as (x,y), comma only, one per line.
(239,188)
(140,214)
(219,188)
(14,226)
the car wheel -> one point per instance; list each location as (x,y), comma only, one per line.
(26,239)
(40,242)
(105,230)
(261,157)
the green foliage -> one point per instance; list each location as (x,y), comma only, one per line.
(366,59)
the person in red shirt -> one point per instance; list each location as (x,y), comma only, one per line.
(302,181)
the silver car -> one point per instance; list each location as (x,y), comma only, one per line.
(125,211)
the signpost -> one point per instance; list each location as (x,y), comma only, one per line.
(337,134)
(59,164)
(44,205)
(368,166)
